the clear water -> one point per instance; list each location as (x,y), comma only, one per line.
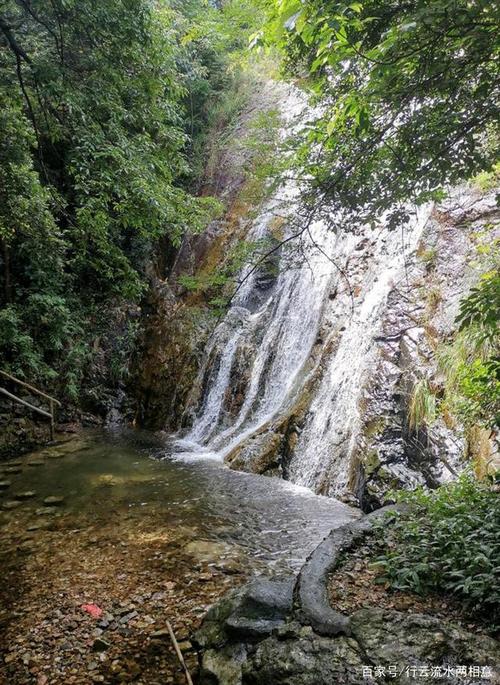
(267,524)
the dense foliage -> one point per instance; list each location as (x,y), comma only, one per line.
(472,362)
(467,387)
(448,541)
(407,94)
(102,105)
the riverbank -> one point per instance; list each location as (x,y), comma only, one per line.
(297,633)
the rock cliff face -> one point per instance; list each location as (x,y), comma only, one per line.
(309,374)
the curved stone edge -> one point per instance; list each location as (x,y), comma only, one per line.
(311,601)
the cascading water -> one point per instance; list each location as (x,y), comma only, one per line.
(262,351)
(332,424)
(280,326)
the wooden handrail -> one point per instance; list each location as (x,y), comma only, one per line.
(30,387)
(26,404)
(36,391)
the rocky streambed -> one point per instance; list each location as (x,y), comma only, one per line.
(111,524)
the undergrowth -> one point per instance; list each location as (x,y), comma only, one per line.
(446,541)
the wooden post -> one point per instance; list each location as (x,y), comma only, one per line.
(52,431)
(179,654)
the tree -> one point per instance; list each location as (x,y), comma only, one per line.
(408,98)
(92,164)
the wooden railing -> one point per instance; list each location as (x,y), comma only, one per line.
(52,401)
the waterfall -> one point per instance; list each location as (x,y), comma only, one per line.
(332,425)
(279,327)
(264,352)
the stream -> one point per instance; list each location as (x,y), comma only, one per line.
(144,535)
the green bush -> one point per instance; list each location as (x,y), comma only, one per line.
(447,540)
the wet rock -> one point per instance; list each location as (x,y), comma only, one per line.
(11,504)
(227,566)
(28,494)
(53,501)
(13,469)
(207,550)
(4,484)
(258,455)
(34,526)
(46,511)
(255,611)
(35,462)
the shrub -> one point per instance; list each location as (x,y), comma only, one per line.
(447,540)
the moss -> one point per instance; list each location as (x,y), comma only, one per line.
(371,462)
(375,427)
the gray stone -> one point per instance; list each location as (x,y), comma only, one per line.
(11,504)
(391,637)
(28,494)
(160,634)
(252,612)
(312,660)
(46,511)
(53,500)
(249,628)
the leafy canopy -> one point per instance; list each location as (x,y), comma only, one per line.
(407,95)
(101,102)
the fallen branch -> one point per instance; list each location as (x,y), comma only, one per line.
(179,653)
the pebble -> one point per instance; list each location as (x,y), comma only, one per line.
(11,504)
(100,645)
(28,494)
(47,511)
(128,617)
(35,462)
(53,500)
(160,634)
(4,484)
(13,469)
